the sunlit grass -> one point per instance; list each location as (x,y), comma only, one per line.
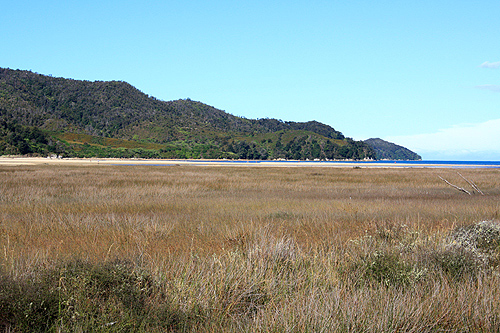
(252,249)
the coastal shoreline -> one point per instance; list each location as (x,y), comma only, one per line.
(19,161)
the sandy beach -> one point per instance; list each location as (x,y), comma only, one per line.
(17,161)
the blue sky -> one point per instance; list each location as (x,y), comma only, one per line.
(423,74)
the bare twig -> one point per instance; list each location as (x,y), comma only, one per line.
(471,183)
(455,186)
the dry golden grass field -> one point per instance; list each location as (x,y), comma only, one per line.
(248,249)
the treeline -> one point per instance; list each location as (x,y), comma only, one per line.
(301,148)
(16,139)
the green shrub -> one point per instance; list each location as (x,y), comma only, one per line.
(382,267)
(29,306)
(385,256)
(481,239)
(81,296)
(456,262)
(470,249)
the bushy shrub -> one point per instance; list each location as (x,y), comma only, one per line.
(30,305)
(456,262)
(81,296)
(481,239)
(382,267)
(383,258)
(469,249)
(392,255)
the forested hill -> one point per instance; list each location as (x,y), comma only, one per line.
(112,118)
(389,151)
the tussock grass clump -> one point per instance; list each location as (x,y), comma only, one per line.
(267,248)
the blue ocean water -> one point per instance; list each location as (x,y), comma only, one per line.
(440,164)
(392,163)
(383,163)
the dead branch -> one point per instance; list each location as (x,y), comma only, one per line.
(455,186)
(471,183)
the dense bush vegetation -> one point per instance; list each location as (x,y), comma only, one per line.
(16,139)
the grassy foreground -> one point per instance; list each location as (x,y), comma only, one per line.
(222,249)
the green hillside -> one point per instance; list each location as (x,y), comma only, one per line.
(389,151)
(114,119)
